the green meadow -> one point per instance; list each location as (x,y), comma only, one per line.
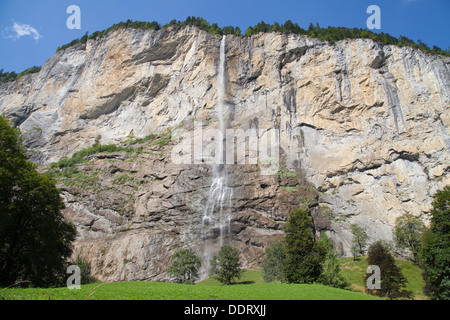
(250,287)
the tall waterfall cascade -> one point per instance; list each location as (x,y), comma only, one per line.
(216,220)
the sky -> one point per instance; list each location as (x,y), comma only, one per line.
(31,30)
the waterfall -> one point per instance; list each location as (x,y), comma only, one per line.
(216,220)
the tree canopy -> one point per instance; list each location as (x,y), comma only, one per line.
(13,76)
(226,265)
(272,264)
(35,239)
(408,233)
(434,253)
(185,266)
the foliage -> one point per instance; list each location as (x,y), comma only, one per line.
(304,256)
(393,281)
(226,265)
(185,266)
(272,264)
(12,76)
(359,241)
(434,253)
(85,269)
(331,269)
(142,140)
(408,232)
(329,34)
(143,25)
(355,272)
(35,240)
(68,165)
(147,290)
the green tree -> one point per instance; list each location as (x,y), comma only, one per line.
(331,269)
(408,233)
(304,256)
(185,266)
(434,253)
(35,240)
(359,241)
(392,280)
(272,264)
(249,32)
(226,265)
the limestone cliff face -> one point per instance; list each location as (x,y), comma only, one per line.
(364,127)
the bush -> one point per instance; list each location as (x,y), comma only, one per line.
(85,269)
(68,164)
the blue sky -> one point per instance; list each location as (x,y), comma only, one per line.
(30,31)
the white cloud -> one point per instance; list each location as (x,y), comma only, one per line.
(19,30)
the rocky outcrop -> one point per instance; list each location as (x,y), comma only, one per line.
(363,133)
(134,210)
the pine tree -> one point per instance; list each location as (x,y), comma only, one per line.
(304,256)
(392,280)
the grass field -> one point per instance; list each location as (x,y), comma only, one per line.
(250,287)
(354,272)
(172,291)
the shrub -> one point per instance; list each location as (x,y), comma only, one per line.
(85,269)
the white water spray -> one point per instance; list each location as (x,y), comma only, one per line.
(216,220)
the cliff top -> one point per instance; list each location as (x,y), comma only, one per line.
(329,34)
